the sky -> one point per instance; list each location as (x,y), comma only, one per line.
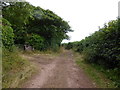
(84,16)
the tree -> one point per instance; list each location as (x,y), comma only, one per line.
(18,14)
(35,20)
(50,26)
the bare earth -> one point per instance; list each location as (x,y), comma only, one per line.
(57,72)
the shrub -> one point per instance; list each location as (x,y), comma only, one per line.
(103,48)
(7,34)
(69,46)
(36,41)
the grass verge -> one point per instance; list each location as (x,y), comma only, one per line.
(47,52)
(0,67)
(15,69)
(99,78)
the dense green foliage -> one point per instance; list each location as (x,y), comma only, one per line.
(36,41)
(102,48)
(7,34)
(24,24)
(28,20)
(68,46)
(18,15)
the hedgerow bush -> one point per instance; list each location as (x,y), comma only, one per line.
(69,46)
(103,48)
(7,34)
(36,41)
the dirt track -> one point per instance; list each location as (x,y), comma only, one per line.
(57,72)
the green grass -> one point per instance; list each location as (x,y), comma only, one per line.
(99,78)
(48,52)
(15,69)
(0,67)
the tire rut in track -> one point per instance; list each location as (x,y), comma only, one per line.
(58,72)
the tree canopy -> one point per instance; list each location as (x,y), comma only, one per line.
(28,21)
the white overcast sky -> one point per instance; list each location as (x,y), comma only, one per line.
(84,16)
